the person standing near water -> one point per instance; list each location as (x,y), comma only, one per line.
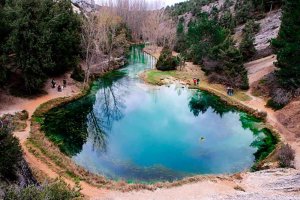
(198,81)
(195,81)
(59,88)
(230,91)
(53,83)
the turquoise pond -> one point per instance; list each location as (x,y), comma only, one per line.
(125,129)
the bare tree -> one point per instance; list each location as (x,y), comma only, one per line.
(89,43)
(101,37)
(107,24)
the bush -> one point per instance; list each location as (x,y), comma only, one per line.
(244,11)
(279,98)
(10,154)
(78,74)
(272,104)
(23,115)
(286,156)
(3,74)
(54,191)
(166,61)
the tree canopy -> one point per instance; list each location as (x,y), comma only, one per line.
(42,39)
(287,46)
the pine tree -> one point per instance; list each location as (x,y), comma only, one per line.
(247,47)
(227,20)
(45,39)
(4,31)
(287,46)
(180,45)
(232,64)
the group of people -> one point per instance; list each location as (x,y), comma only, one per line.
(230,91)
(196,81)
(59,87)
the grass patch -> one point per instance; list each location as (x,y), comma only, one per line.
(73,176)
(242,96)
(39,120)
(155,77)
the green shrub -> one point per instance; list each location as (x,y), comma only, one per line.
(54,191)
(10,154)
(273,104)
(166,61)
(78,74)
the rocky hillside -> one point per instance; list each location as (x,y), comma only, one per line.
(269,21)
(269,28)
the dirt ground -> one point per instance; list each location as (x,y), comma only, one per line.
(259,68)
(283,184)
(11,104)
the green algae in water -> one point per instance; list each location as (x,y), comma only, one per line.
(124,129)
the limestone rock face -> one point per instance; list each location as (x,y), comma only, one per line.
(269,29)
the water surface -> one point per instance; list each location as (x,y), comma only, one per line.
(124,129)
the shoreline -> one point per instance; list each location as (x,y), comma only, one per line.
(254,105)
(109,184)
(32,152)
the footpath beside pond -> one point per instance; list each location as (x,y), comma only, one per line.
(284,183)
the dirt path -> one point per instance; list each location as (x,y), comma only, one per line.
(16,104)
(257,69)
(230,188)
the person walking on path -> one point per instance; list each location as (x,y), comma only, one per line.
(195,81)
(59,88)
(53,83)
(198,81)
(64,83)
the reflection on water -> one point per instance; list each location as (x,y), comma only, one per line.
(202,101)
(124,129)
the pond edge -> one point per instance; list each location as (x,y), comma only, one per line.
(45,150)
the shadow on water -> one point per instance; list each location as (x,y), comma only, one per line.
(69,125)
(201,101)
(265,142)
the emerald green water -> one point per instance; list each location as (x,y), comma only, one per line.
(124,129)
